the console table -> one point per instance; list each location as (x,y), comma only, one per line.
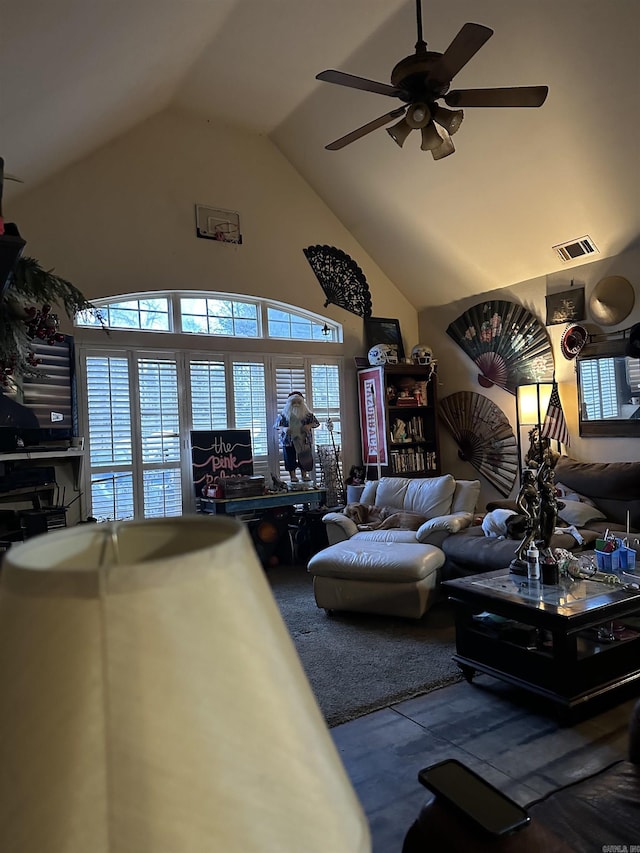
(233,506)
(571,642)
(293,523)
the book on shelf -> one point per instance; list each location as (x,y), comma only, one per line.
(407,401)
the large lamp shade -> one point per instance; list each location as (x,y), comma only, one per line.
(152,701)
(533,401)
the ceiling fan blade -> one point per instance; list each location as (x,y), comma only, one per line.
(354,82)
(516,96)
(464,46)
(366,128)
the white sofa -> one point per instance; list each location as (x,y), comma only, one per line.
(393,572)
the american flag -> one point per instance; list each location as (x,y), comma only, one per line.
(554,425)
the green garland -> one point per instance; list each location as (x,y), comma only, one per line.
(31,293)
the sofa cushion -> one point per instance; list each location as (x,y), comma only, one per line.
(470,551)
(391,491)
(613,486)
(465,496)
(430,496)
(368,495)
(395,534)
(578,513)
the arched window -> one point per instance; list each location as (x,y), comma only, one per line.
(138,403)
(214,314)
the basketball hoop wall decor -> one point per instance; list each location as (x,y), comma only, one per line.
(213,223)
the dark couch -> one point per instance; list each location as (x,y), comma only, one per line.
(613,487)
(600,811)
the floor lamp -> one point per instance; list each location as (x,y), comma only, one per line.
(153,700)
(532,402)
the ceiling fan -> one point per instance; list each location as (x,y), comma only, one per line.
(424,77)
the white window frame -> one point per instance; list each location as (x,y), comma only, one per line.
(139,343)
(334,333)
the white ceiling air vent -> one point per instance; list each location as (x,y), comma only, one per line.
(573,249)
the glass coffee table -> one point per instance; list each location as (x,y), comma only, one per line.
(571,642)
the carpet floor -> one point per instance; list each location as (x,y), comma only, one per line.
(357,663)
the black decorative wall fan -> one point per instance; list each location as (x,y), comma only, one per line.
(509,345)
(484,437)
(341,278)
(424,77)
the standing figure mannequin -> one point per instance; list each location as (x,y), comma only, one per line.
(296,424)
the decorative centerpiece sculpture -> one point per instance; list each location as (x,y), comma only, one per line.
(538,505)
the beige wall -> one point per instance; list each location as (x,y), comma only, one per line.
(457,372)
(123,220)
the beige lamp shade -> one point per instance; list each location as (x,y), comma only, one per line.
(153,701)
(533,402)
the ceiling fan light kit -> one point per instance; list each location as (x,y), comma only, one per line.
(418,115)
(449,119)
(422,78)
(431,139)
(399,132)
(445,149)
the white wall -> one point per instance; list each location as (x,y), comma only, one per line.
(457,372)
(123,220)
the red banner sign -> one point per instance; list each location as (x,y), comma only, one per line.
(372,424)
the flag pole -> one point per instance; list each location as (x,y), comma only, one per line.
(377,430)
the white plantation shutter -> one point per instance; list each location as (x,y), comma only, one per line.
(250,406)
(289,376)
(633,365)
(162,493)
(137,421)
(112,495)
(109,433)
(109,410)
(159,422)
(598,388)
(208,395)
(325,402)
(160,436)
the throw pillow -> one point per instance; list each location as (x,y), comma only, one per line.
(579,514)
(565,493)
(449,523)
(465,497)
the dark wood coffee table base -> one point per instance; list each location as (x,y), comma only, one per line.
(551,649)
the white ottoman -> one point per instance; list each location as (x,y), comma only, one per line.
(390,578)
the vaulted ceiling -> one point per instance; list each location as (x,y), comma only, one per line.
(75,74)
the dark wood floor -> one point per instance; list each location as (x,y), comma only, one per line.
(512,738)
(505,735)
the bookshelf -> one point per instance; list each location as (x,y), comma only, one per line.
(399,420)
